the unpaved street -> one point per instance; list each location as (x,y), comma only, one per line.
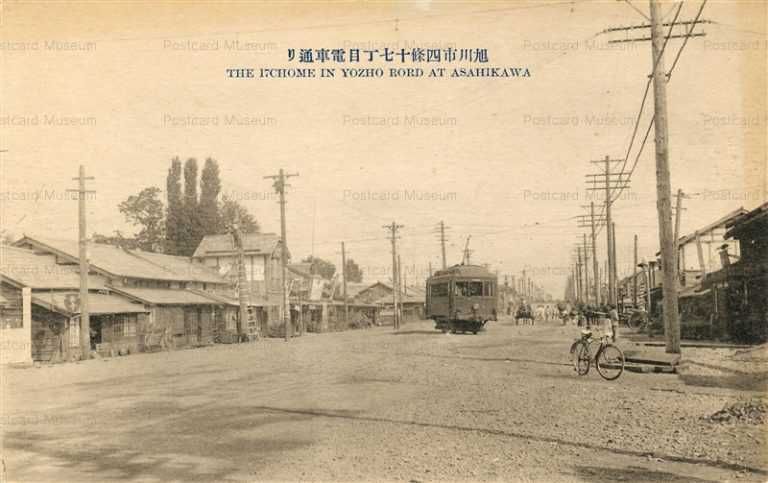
(370,405)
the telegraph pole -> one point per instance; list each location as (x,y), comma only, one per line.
(634,278)
(242,291)
(393,228)
(607,181)
(442,243)
(660,77)
(586,270)
(344,282)
(615,265)
(85,319)
(280,186)
(663,189)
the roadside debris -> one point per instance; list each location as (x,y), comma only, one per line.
(752,411)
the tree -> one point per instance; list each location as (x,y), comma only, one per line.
(174,209)
(227,211)
(145,210)
(191,228)
(321,267)
(208,209)
(117,240)
(354,274)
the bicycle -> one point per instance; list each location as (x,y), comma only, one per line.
(608,360)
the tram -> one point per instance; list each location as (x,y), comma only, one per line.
(461,298)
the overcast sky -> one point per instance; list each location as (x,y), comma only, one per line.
(505,159)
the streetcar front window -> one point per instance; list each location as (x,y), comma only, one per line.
(439,290)
(469,289)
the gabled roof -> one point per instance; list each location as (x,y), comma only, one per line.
(127,263)
(161,296)
(39,271)
(253,243)
(65,303)
(720,222)
(742,221)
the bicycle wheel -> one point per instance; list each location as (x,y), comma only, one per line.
(580,357)
(609,362)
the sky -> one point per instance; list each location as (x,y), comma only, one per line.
(123,87)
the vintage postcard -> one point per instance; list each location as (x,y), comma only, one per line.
(407,240)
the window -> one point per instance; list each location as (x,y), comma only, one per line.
(469,289)
(489,289)
(439,290)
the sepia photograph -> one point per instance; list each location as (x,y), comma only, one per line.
(383,241)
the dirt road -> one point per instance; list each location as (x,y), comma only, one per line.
(372,404)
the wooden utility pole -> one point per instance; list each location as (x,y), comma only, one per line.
(678,214)
(393,228)
(400,287)
(242,280)
(586,270)
(634,277)
(579,268)
(606,182)
(85,319)
(595,265)
(663,189)
(615,265)
(442,243)
(280,186)
(344,282)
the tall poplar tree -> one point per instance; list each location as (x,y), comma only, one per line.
(174,208)
(210,187)
(191,232)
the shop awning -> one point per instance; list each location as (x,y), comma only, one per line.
(69,303)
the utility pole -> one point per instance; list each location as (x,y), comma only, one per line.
(280,186)
(660,77)
(634,277)
(442,243)
(400,286)
(678,213)
(242,290)
(578,271)
(663,189)
(586,270)
(85,319)
(607,181)
(393,238)
(344,282)
(615,265)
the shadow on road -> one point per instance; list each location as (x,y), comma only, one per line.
(512,434)
(632,473)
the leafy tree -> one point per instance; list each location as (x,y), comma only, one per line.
(191,228)
(145,210)
(174,209)
(117,240)
(321,267)
(228,213)
(354,274)
(208,209)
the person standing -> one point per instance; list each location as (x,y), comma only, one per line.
(613,316)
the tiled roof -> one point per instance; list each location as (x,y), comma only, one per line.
(129,263)
(160,296)
(40,271)
(66,303)
(212,245)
